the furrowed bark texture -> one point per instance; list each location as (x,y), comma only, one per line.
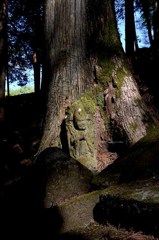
(123,103)
(87,71)
(67,66)
(129,110)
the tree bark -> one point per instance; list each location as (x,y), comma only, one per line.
(87,71)
(68,73)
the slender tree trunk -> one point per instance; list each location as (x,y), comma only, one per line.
(36,57)
(156,25)
(3,54)
(8,86)
(146,11)
(155,48)
(89,81)
(36,66)
(130,31)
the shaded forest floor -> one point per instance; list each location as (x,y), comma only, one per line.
(20,136)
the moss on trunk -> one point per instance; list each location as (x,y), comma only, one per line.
(85,55)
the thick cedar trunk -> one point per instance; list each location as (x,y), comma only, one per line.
(123,102)
(3,54)
(85,53)
(68,72)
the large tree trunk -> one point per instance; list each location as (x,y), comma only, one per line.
(92,95)
(3,54)
(68,71)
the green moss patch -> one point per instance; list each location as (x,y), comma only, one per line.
(78,211)
(88,101)
(105,75)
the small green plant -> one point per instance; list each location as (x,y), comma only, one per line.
(100,100)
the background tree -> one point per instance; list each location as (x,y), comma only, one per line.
(147,58)
(146,8)
(130,30)
(156,25)
(35,20)
(19,49)
(3,54)
(25,41)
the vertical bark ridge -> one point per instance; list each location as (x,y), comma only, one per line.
(131,115)
(68,68)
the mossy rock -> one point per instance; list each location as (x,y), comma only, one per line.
(64,177)
(132,206)
(140,162)
(114,205)
(78,212)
